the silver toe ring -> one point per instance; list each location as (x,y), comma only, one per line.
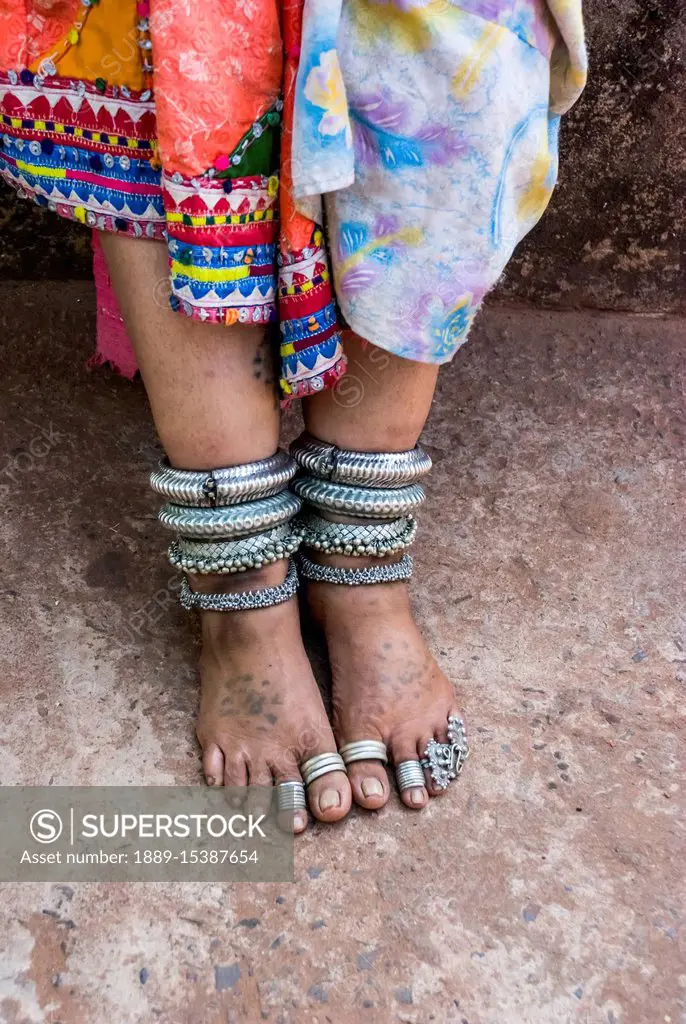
(409,775)
(321,764)
(445,761)
(364,750)
(290,796)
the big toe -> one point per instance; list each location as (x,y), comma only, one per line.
(329,796)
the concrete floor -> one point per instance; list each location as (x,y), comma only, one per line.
(549,886)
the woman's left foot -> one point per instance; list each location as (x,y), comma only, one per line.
(386,684)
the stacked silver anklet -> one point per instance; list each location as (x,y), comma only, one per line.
(230,521)
(379,487)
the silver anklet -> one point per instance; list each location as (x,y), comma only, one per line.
(245,601)
(232,556)
(216,487)
(371,503)
(362,469)
(230,521)
(356,539)
(387,573)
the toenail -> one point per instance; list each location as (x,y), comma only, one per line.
(372,787)
(330,798)
(417,797)
(210,780)
(299,820)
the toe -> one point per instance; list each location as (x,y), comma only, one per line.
(405,749)
(236,778)
(260,784)
(369,784)
(289,821)
(213,765)
(329,796)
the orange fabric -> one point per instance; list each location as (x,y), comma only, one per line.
(218,67)
(30,28)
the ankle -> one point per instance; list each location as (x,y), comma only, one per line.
(238,628)
(233,583)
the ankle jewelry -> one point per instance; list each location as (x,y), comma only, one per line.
(377,539)
(232,556)
(379,487)
(230,521)
(368,502)
(212,487)
(243,600)
(389,572)
(363,469)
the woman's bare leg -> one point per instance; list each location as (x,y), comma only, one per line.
(214,398)
(387,685)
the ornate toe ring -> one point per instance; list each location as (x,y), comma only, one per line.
(445,761)
(321,764)
(290,796)
(409,775)
(364,750)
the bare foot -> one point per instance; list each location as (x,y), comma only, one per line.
(386,684)
(261,713)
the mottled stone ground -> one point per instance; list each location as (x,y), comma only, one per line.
(549,885)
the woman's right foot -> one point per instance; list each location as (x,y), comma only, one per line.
(261,712)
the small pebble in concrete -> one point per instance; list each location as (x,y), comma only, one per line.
(248,922)
(365,961)
(531,912)
(280,899)
(277,941)
(367,1004)
(226,976)
(578,992)
(319,993)
(314,872)
(622,476)
(143,975)
(318,924)
(640,655)
(404,995)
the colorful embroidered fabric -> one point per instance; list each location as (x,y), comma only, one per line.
(83,134)
(426,128)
